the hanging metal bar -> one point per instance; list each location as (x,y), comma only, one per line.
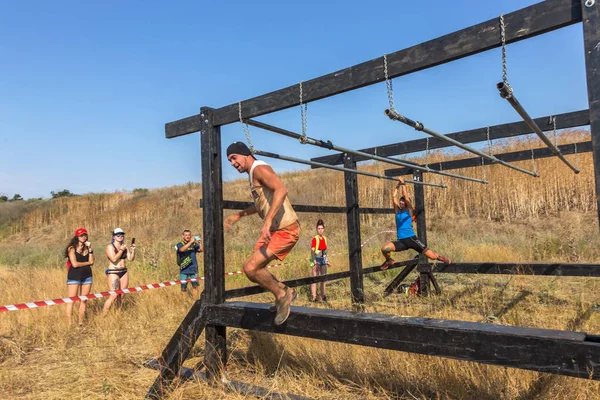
(506,92)
(392,114)
(331,146)
(318,164)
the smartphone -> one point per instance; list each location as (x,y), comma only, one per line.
(132,241)
(197,237)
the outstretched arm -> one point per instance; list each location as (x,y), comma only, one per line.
(395,195)
(232,219)
(405,195)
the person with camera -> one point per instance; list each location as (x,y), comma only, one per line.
(187,261)
(80,258)
(118,278)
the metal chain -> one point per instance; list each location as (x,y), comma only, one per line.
(503,38)
(246,129)
(388,84)
(303,111)
(377,162)
(533,162)
(442,170)
(554,128)
(427,152)
(483,169)
(490,149)
(576,156)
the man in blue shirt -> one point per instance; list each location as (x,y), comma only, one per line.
(406,238)
(186,259)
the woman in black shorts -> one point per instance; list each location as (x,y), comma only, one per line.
(116,273)
(405,234)
(80,258)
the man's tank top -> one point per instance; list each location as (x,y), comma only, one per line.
(263,198)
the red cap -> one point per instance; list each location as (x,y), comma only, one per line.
(80,231)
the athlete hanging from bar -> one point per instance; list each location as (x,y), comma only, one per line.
(406,238)
(280,230)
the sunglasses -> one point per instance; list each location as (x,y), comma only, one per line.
(119,234)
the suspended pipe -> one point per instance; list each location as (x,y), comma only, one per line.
(334,167)
(392,114)
(506,92)
(331,146)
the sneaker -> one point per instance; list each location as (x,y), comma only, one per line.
(444,259)
(283,306)
(324,298)
(388,263)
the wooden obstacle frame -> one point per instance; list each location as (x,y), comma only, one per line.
(568,353)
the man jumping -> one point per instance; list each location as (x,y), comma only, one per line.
(280,230)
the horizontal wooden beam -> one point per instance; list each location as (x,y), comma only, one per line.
(559,269)
(246,389)
(522,24)
(512,129)
(241,205)
(250,290)
(559,352)
(542,152)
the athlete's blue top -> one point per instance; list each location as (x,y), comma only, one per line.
(404,224)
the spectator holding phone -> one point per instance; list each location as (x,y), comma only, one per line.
(186,259)
(118,278)
(80,258)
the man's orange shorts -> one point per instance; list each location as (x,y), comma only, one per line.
(282,241)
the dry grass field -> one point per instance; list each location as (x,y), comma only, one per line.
(515,218)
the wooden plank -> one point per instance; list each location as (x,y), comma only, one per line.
(591,44)
(178,349)
(398,279)
(544,350)
(563,121)
(559,269)
(522,24)
(214,256)
(523,155)
(241,205)
(251,290)
(245,389)
(353,226)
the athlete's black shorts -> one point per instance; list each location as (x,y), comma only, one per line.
(410,243)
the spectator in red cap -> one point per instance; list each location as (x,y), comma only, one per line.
(80,258)
(118,278)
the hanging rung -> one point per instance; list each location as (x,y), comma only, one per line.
(392,114)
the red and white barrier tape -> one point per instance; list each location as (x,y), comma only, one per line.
(42,303)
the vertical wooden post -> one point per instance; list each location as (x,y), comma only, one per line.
(214,256)
(424,267)
(353,221)
(591,43)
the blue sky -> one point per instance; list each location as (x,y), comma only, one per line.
(86,87)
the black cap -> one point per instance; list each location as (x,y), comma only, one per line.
(238,148)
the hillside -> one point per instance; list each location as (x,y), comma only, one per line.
(514,218)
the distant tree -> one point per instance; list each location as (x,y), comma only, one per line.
(140,191)
(62,193)
(3,198)
(16,197)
